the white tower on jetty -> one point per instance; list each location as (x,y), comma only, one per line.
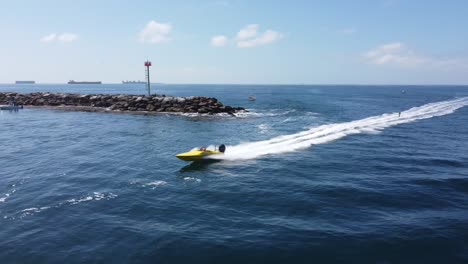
(148,84)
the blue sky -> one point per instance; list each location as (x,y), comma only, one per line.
(236,41)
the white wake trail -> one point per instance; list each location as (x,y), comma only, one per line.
(327,133)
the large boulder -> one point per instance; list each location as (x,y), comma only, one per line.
(204,110)
(150,107)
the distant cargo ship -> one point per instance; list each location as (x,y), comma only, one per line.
(75,82)
(133,82)
(25,82)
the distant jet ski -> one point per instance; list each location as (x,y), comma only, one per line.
(199,154)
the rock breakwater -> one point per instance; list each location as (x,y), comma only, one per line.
(121,103)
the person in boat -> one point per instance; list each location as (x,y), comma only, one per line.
(222,148)
(13,103)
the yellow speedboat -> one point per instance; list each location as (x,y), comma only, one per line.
(199,154)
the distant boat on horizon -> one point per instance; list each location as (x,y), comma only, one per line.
(133,82)
(76,82)
(25,82)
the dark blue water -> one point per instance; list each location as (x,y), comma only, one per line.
(106,188)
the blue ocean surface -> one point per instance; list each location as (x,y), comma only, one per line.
(311,174)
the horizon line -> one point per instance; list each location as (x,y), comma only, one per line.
(245,84)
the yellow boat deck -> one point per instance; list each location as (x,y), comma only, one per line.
(197,154)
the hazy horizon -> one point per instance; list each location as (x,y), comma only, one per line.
(253,84)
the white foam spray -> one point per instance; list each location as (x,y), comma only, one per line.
(327,133)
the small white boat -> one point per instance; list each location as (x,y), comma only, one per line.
(11,107)
(252,98)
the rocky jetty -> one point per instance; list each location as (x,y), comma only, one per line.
(121,103)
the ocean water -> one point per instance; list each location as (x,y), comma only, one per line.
(312,174)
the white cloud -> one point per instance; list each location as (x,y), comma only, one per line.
(155,32)
(397,54)
(219,41)
(267,37)
(349,31)
(49,38)
(248,37)
(63,38)
(67,37)
(247,32)
(394,53)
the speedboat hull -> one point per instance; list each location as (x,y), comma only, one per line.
(195,155)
